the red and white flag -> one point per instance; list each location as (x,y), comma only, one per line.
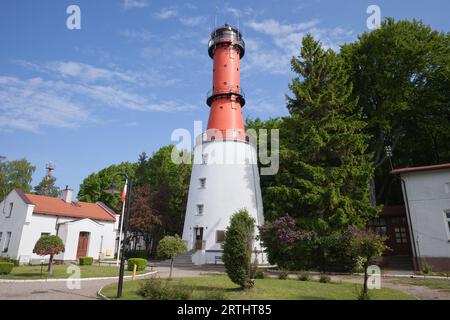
(124,192)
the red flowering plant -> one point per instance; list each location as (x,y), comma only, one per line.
(49,245)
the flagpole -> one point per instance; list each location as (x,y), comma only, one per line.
(121,227)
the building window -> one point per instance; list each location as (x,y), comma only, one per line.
(378,225)
(220,236)
(204,158)
(200,208)
(447,216)
(400,235)
(10,209)
(7,241)
(202,182)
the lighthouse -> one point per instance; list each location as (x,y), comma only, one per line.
(225,174)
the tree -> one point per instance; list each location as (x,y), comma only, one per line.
(15,174)
(145,218)
(93,187)
(237,249)
(368,245)
(169,247)
(400,74)
(49,245)
(47,187)
(325,167)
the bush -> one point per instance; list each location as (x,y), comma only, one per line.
(283,275)
(324,279)
(8,259)
(304,276)
(156,289)
(259,274)
(85,261)
(237,249)
(426,268)
(139,262)
(6,267)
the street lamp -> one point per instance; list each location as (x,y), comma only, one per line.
(124,220)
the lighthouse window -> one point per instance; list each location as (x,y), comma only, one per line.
(220,236)
(225,65)
(202,182)
(204,158)
(200,209)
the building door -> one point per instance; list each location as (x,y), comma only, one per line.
(198,236)
(83,241)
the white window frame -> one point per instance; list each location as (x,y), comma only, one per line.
(10,209)
(7,242)
(447,223)
(204,158)
(200,211)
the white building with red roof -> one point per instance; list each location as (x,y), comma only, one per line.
(87,229)
(426,193)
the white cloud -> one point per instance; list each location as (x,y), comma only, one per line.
(72,94)
(193,21)
(287,39)
(166,13)
(131,4)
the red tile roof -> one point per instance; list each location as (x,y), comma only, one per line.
(424,168)
(58,207)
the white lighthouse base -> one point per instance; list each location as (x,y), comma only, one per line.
(224,180)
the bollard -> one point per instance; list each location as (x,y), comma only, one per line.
(134,272)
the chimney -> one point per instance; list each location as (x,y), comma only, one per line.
(67,194)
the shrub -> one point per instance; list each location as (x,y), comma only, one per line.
(283,275)
(169,247)
(237,248)
(8,259)
(259,274)
(85,261)
(49,245)
(156,289)
(426,268)
(304,276)
(324,278)
(6,267)
(139,262)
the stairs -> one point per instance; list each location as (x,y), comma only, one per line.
(181,260)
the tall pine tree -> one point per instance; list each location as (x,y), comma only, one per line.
(324,167)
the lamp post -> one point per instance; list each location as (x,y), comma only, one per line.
(126,213)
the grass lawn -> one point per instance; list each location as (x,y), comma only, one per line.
(60,272)
(271,289)
(443,285)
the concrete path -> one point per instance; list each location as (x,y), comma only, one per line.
(88,289)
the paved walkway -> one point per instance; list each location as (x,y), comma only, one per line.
(88,289)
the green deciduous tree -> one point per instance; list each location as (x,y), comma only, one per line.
(15,174)
(49,245)
(169,247)
(47,187)
(400,72)
(237,249)
(93,187)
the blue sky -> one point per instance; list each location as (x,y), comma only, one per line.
(138,69)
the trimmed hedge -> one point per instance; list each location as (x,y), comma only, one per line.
(140,262)
(6,267)
(8,259)
(86,261)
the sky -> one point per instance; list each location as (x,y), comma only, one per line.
(137,70)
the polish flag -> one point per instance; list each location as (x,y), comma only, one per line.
(124,192)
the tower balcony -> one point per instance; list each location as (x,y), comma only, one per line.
(212,135)
(225,91)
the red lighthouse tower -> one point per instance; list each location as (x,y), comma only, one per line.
(226,98)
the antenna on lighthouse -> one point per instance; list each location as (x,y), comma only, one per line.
(50,167)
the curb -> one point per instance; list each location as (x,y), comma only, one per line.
(103,297)
(66,279)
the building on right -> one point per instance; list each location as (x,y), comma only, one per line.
(426,194)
